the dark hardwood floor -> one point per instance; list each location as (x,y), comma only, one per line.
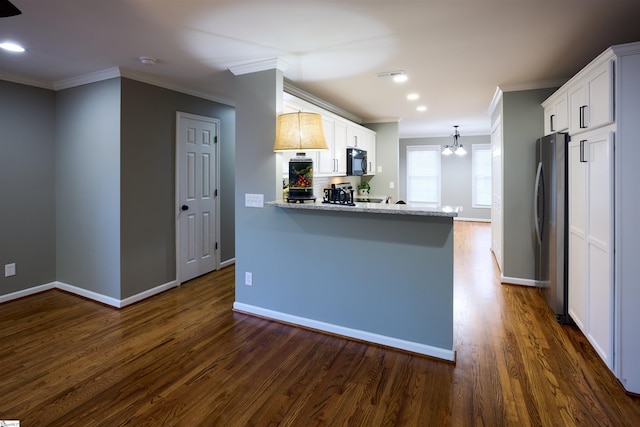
(183,358)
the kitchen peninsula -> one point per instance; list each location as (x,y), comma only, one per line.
(381,273)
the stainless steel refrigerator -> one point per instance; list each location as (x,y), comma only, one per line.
(550,222)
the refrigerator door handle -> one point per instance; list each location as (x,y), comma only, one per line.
(535,203)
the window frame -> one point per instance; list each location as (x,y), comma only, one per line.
(475,176)
(436,149)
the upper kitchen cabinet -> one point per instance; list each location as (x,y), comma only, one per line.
(556,113)
(339,133)
(364,139)
(591,97)
(333,162)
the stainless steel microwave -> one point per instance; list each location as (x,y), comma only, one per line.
(356,162)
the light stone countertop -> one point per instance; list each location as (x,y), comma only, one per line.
(376,208)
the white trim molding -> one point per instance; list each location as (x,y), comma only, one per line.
(518,281)
(414,347)
(85,293)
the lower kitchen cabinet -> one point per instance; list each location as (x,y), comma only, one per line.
(590,238)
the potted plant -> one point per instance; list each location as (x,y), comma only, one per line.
(364,188)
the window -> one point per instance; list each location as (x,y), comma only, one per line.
(481,175)
(423,174)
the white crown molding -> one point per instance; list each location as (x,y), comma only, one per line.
(306,96)
(545,84)
(16,78)
(497,96)
(84,79)
(254,67)
(109,73)
(156,81)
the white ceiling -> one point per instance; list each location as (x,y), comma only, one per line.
(455,52)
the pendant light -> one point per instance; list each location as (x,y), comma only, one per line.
(456,147)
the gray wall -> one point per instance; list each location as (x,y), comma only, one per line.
(397,279)
(27,186)
(387,158)
(456,173)
(88,187)
(148,174)
(92,168)
(522,125)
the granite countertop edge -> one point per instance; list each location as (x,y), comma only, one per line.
(376,208)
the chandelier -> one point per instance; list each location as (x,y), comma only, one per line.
(456,147)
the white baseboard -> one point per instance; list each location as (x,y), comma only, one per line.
(227,263)
(414,347)
(27,292)
(148,293)
(518,281)
(461,218)
(104,299)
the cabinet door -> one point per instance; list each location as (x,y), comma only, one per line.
(369,144)
(549,116)
(577,107)
(590,230)
(326,161)
(599,205)
(561,118)
(340,147)
(600,89)
(577,298)
(354,137)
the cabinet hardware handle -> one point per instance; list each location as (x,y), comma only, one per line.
(583,124)
(582,152)
(551,123)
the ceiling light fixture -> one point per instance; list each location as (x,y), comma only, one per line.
(413,96)
(421,108)
(147,60)
(11,47)
(398,76)
(456,147)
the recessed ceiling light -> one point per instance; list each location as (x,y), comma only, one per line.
(413,96)
(399,78)
(421,108)
(11,47)
(148,60)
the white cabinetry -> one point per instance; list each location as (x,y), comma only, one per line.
(604,296)
(590,230)
(333,162)
(369,144)
(339,134)
(556,113)
(591,98)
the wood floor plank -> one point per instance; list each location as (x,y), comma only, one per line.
(184,358)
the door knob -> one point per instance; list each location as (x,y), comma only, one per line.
(185,208)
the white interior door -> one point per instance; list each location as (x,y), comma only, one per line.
(197,221)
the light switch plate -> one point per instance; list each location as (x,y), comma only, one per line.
(10,269)
(254,200)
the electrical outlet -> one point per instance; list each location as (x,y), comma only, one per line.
(10,269)
(254,200)
(392,184)
(379,169)
(248,278)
